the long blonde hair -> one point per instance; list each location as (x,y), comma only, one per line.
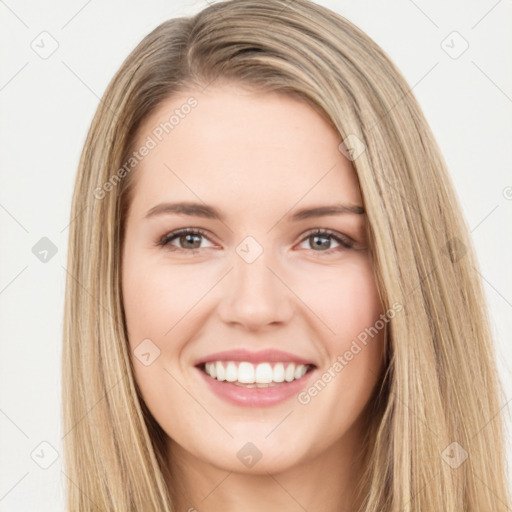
(440,386)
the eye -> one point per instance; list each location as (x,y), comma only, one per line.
(319,239)
(189,240)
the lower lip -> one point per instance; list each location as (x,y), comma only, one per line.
(256,397)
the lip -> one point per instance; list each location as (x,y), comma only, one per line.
(262,356)
(257,397)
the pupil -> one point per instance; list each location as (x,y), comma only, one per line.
(326,241)
(189,238)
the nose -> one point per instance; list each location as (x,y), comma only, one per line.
(255,295)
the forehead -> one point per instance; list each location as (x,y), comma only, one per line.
(242,147)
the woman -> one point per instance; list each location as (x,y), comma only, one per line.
(254,370)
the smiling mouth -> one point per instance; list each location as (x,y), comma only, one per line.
(250,375)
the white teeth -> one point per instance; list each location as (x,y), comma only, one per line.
(231,372)
(221,373)
(278,373)
(248,373)
(289,374)
(300,371)
(213,369)
(263,373)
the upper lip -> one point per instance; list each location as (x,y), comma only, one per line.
(262,356)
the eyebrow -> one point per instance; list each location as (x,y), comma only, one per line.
(209,212)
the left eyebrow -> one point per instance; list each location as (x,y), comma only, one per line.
(209,212)
(321,211)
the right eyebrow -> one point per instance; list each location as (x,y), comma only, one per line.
(185,208)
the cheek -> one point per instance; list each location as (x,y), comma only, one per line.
(155,298)
(348,303)
(346,299)
(154,302)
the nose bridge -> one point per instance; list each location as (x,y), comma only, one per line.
(254,294)
(251,270)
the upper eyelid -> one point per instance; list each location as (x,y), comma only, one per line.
(194,231)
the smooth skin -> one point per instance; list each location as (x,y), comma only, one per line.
(257,158)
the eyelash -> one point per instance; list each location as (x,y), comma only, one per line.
(345,242)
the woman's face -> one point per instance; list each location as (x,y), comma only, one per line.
(252,279)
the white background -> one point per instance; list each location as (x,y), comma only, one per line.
(48,104)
